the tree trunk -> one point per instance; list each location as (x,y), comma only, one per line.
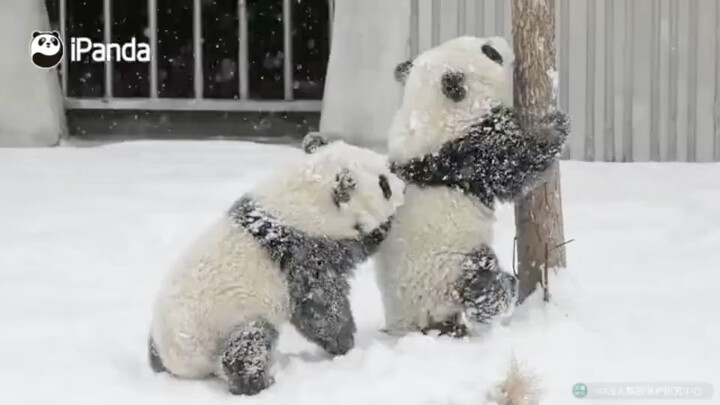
(538,216)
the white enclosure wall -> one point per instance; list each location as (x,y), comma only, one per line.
(640,78)
(369,38)
(31,112)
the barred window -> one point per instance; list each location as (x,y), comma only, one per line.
(220,48)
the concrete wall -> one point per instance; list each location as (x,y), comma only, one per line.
(369,38)
(31,111)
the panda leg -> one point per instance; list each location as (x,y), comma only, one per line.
(483,289)
(155,362)
(327,322)
(246,359)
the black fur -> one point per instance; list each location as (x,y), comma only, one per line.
(155,361)
(246,359)
(484,290)
(385,186)
(492,54)
(495,160)
(453,86)
(317,271)
(312,142)
(344,188)
(402,70)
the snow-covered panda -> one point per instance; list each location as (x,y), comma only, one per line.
(457,143)
(283,252)
(46,49)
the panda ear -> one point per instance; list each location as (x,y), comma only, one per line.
(345,184)
(402,70)
(453,85)
(56,34)
(36,33)
(312,142)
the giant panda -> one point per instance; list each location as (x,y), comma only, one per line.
(282,252)
(457,143)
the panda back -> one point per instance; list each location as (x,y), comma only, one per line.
(223,280)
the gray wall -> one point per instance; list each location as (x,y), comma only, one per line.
(640,78)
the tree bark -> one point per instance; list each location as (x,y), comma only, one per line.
(538,215)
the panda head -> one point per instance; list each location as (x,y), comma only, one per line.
(335,189)
(447,89)
(46,49)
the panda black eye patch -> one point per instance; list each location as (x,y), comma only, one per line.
(453,86)
(492,54)
(385,186)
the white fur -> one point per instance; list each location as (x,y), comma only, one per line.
(428,119)
(227,279)
(419,261)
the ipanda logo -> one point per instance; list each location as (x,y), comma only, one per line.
(47,49)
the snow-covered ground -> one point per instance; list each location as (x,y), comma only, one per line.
(86,235)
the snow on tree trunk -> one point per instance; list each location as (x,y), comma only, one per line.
(369,38)
(538,216)
(31,111)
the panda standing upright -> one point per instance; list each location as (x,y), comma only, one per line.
(457,143)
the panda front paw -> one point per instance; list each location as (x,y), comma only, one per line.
(326,321)
(556,126)
(340,344)
(249,384)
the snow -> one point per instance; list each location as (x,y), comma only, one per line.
(87,234)
(369,39)
(30,103)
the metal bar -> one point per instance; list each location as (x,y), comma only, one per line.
(107,35)
(287,50)
(716,109)
(152,26)
(414,28)
(500,17)
(480,18)
(565,61)
(461,14)
(197,48)
(609,146)
(63,34)
(655,80)
(628,71)
(243,58)
(435,22)
(190,104)
(590,83)
(673,82)
(692,81)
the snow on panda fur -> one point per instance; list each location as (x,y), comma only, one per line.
(458,145)
(282,252)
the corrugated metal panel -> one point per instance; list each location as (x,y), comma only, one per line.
(640,78)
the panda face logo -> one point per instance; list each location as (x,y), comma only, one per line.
(46,49)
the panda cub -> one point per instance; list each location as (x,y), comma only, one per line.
(282,252)
(460,148)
